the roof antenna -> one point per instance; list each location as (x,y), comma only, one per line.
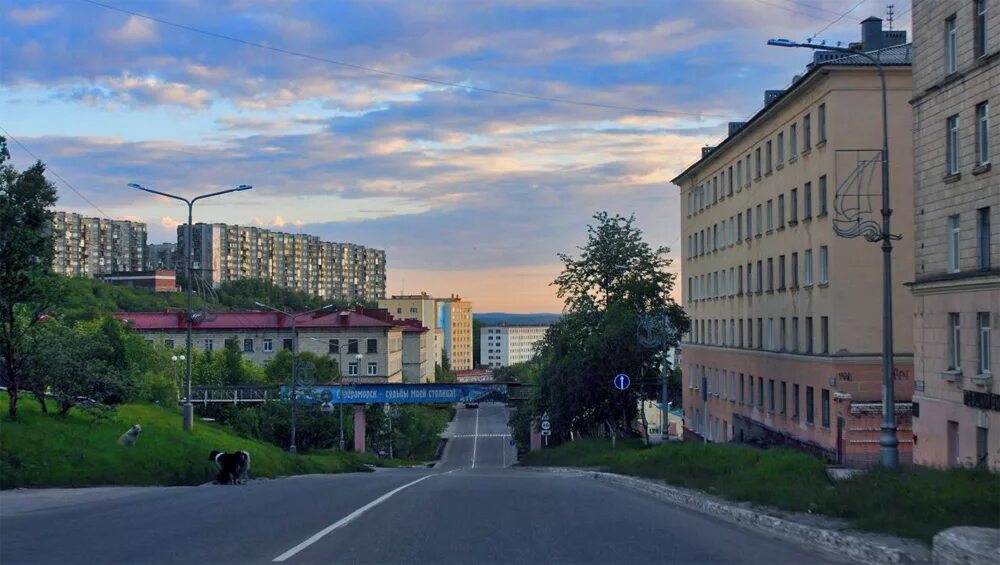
(890,11)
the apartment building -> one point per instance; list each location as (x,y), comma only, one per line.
(88,247)
(339,271)
(956,281)
(370,349)
(454,317)
(160,256)
(786,337)
(418,307)
(503,345)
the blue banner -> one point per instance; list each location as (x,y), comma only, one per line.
(399,393)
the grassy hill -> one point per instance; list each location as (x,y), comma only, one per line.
(75,450)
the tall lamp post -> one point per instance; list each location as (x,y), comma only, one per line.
(888,443)
(188,407)
(358,356)
(295,351)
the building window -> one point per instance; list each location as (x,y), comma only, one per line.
(770,215)
(760,333)
(742,388)
(983,237)
(748,170)
(209,345)
(809,334)
(760,392)
(248,346)
(781,272)
(807,266)
(750,333)
(770,274)
(824,334)
(413,310)
(730,177)
(824,258)
(768,145)
(372,369)
(770,396)
(783,335)
(168,343)
(821,195)
(352,369)
(372,346)
(795,270)
(954,342)
(770,334)
(795,401)
(334,346)
(781,211)
(793,141)
(806,133)
(950,45)
(983,133)
(781,148)
(757,163)
(981,37)
(795,334)
(732,231)
(784,398)
(739,175)
(952,145)
(287,343)
(821,123)
(794,207)
(760,276)
(739,279)
(825,408)
(810,409)
(807,201)
(954,237)
(749,278)
(741,332)
(984,342)
(715,190)
(268,346)
(750,390)
(352,346)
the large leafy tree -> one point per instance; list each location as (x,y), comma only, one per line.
(617,278)
(26,199)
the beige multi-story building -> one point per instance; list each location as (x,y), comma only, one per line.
(89,247)
(368,348)
(454,317)
(956,78)
(418,307)
(786,337)
(503,345)
(339,271)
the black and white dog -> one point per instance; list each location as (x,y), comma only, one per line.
(233,468)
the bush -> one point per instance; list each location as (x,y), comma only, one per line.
(158,388)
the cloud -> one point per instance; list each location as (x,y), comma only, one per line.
(135,30)
(170,223)
(30,16)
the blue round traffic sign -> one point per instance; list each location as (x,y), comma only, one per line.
(622,381)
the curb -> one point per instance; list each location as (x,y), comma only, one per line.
(842,544)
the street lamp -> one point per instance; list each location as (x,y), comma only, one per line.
(176,358)
(340,385)
(295,350)
(188,407)
(888,443)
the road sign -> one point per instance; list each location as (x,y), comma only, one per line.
(546,425)
(622,381)
(545,417)
(326,407)
(546,432)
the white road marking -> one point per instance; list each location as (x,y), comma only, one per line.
(475,440)
(480,435)
(345,520)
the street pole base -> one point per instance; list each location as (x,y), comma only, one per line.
(188,410)
(341,445)
(889,448)
(292,449)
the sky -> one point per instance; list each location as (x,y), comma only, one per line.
(469,191)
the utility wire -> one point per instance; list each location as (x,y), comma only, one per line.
(401,76)
(54,173)
(798,11)
(842,16)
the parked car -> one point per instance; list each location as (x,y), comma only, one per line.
(472,405)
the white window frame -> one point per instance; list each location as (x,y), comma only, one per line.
(983,133)
(372,369)
(984,321)
(954,342)
(352,369)
(952,158)
(824,266)
(951,44)
(209,345)
(954,243)
(770,334)
(268,346)
(981,46)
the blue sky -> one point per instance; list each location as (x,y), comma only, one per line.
(468,192)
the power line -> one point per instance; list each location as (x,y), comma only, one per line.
(54,173)
(401,76)
(795,11)
(842,16)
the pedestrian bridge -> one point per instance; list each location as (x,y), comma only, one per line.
(429,393)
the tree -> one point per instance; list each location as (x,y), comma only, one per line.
(26,199)
(279,369)
(443,372)
(477,360)
(617,278)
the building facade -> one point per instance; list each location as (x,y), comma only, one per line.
(160,280)
(454,317)
(956,281)
(338,271)
(503,345)
(89,247)
(419,307)
(786,333)
(369,350)
(162,256)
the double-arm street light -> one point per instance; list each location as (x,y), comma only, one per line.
(295,350)
(188,407)
(340,380)
(888,443)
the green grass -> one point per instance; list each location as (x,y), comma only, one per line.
(914,502)
(41,450)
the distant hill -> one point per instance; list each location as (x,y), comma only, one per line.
(493,318)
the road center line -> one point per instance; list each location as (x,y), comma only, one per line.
(345,520)
(475,441)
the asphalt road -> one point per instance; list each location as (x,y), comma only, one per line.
(472,508)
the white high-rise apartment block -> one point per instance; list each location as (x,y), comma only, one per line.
(503,345)
(88,247)
(339,271)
